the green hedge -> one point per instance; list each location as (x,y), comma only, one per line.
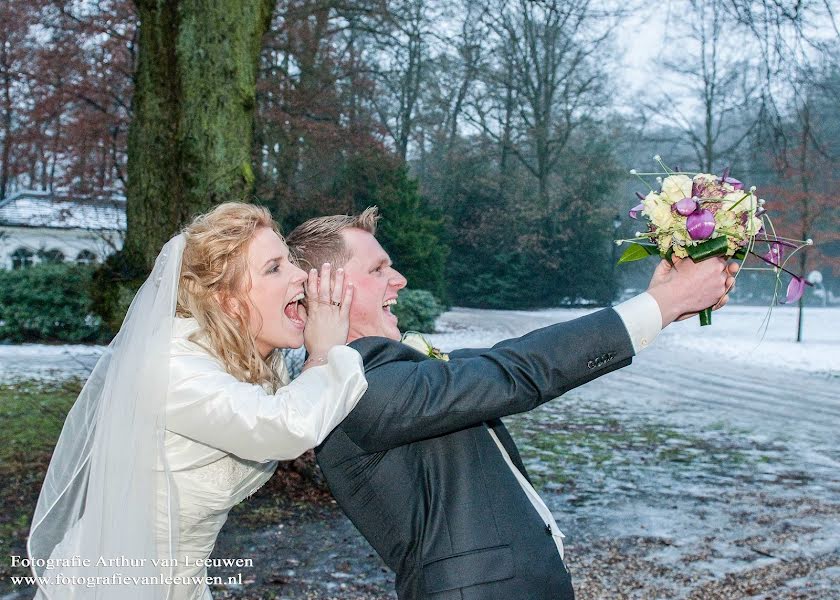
(417,310)
(48,302)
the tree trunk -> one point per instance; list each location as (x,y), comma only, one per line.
(6,152)
(6,155)
(189,144)
(507,132)
(805,213)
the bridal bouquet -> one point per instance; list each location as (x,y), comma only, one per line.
(701,215)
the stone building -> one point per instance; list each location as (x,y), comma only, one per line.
(55,226)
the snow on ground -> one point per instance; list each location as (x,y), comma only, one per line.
(736,334)
(44,362)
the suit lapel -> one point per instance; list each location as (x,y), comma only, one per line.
(510,446)
(378,351)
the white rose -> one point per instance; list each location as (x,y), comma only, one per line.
(422,345)
(416,341)
(676,187)
(657,210)
(661,216)
(651,199)
(735,198)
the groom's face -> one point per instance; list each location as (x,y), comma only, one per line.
(376,285)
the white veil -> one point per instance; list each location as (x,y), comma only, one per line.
(106,498)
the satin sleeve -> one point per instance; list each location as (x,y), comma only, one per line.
(210,406)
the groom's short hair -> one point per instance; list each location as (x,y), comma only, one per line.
(319,240)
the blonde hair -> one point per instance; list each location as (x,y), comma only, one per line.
(214,273)
(319,240)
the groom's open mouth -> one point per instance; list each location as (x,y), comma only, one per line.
(292,310)
(386,307)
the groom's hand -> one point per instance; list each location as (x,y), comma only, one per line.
(684,288)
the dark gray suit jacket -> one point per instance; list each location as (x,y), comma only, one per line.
(417,472)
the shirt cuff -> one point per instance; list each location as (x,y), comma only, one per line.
(642,318)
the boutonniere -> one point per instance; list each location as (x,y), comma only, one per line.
(422,345)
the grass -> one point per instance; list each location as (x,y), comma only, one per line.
(586,445)
(31,417)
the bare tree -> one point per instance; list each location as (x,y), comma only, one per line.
(790,38)
(313,98)
(708,92)
(13,53)
(455,70)
(401,55)
(545,83)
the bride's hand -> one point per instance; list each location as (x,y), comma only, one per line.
(328,302)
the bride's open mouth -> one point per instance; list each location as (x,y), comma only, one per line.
(292,311)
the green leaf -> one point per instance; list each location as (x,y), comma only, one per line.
(714,247)
(638,252)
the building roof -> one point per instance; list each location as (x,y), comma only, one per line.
(60,210)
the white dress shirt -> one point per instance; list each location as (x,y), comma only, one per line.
(643,320)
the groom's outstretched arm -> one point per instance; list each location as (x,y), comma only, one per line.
(410,399)
(641,317)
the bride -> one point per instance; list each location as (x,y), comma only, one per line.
(188,410)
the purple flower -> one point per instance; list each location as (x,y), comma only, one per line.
(737,185)
(700,225)
(686,206)
(725,178)
(774,256)
(795,289)
(634,212)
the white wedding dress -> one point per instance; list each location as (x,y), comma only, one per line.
(158,447)
(224,438)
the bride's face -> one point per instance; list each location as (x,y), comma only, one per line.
(275,292)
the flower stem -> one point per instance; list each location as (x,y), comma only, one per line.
(775,241)
(782,268)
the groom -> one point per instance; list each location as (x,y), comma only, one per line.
(423,466)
